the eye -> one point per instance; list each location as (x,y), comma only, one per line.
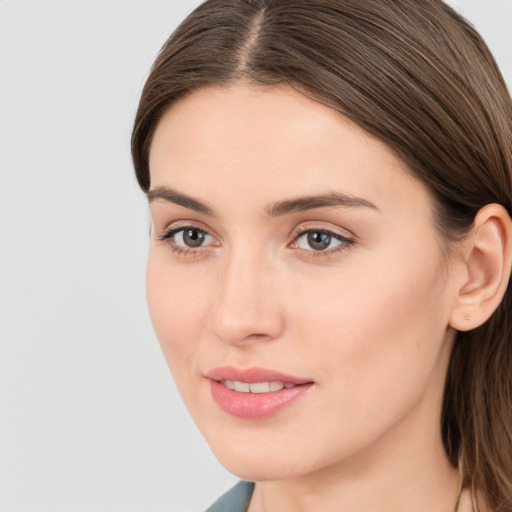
(316,240)
(190,237)
(187,238)
(321,241)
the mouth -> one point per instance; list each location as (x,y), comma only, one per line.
(256,387)
(255,393)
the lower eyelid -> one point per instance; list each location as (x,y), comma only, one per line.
(342,247)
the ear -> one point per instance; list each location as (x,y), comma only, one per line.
(487,265)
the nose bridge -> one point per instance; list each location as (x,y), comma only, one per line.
(246,307)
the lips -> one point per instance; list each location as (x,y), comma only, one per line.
(252,375)
(254,393)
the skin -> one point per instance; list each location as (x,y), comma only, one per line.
(367,321)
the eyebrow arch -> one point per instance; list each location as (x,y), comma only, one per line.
(303,204)
(173,196)
(300,204)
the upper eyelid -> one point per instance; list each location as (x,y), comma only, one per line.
(320,226)
(301,232)
(178,225)
(174,230)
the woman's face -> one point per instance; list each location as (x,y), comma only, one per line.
(293,259)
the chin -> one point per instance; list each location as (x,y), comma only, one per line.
(262,458)
(257,469)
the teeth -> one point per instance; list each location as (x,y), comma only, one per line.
(229,384)
(277,386)
(256,387)
(242,387)
(259,387)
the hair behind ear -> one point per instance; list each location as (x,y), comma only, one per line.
(477,412)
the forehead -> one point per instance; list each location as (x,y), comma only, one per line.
(273,142)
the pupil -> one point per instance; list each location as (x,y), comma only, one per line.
(193,237)
(318,241)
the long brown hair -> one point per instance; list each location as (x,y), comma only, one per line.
(419,78)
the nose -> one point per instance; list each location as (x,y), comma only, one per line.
(246,308)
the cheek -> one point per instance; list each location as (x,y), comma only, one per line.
(374,344)
(375,331)
(177,304)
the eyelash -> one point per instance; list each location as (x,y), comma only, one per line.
(345,242)
(168,239)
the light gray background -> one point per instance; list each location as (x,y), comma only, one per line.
(89,417)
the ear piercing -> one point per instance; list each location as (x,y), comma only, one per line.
(467,317)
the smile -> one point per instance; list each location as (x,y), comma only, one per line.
(255,393)
(256,387)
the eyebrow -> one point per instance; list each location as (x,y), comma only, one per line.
(303,204)
(281,208)
(173,196)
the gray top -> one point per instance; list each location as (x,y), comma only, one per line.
(235,500)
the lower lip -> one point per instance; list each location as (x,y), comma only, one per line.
(255,405)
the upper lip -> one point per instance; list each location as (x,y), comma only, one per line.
(252,375)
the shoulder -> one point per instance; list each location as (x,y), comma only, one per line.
(235,500)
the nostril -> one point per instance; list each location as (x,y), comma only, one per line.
(242,329)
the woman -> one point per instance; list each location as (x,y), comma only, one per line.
(330,188)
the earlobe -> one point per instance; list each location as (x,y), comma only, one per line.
(488,260)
